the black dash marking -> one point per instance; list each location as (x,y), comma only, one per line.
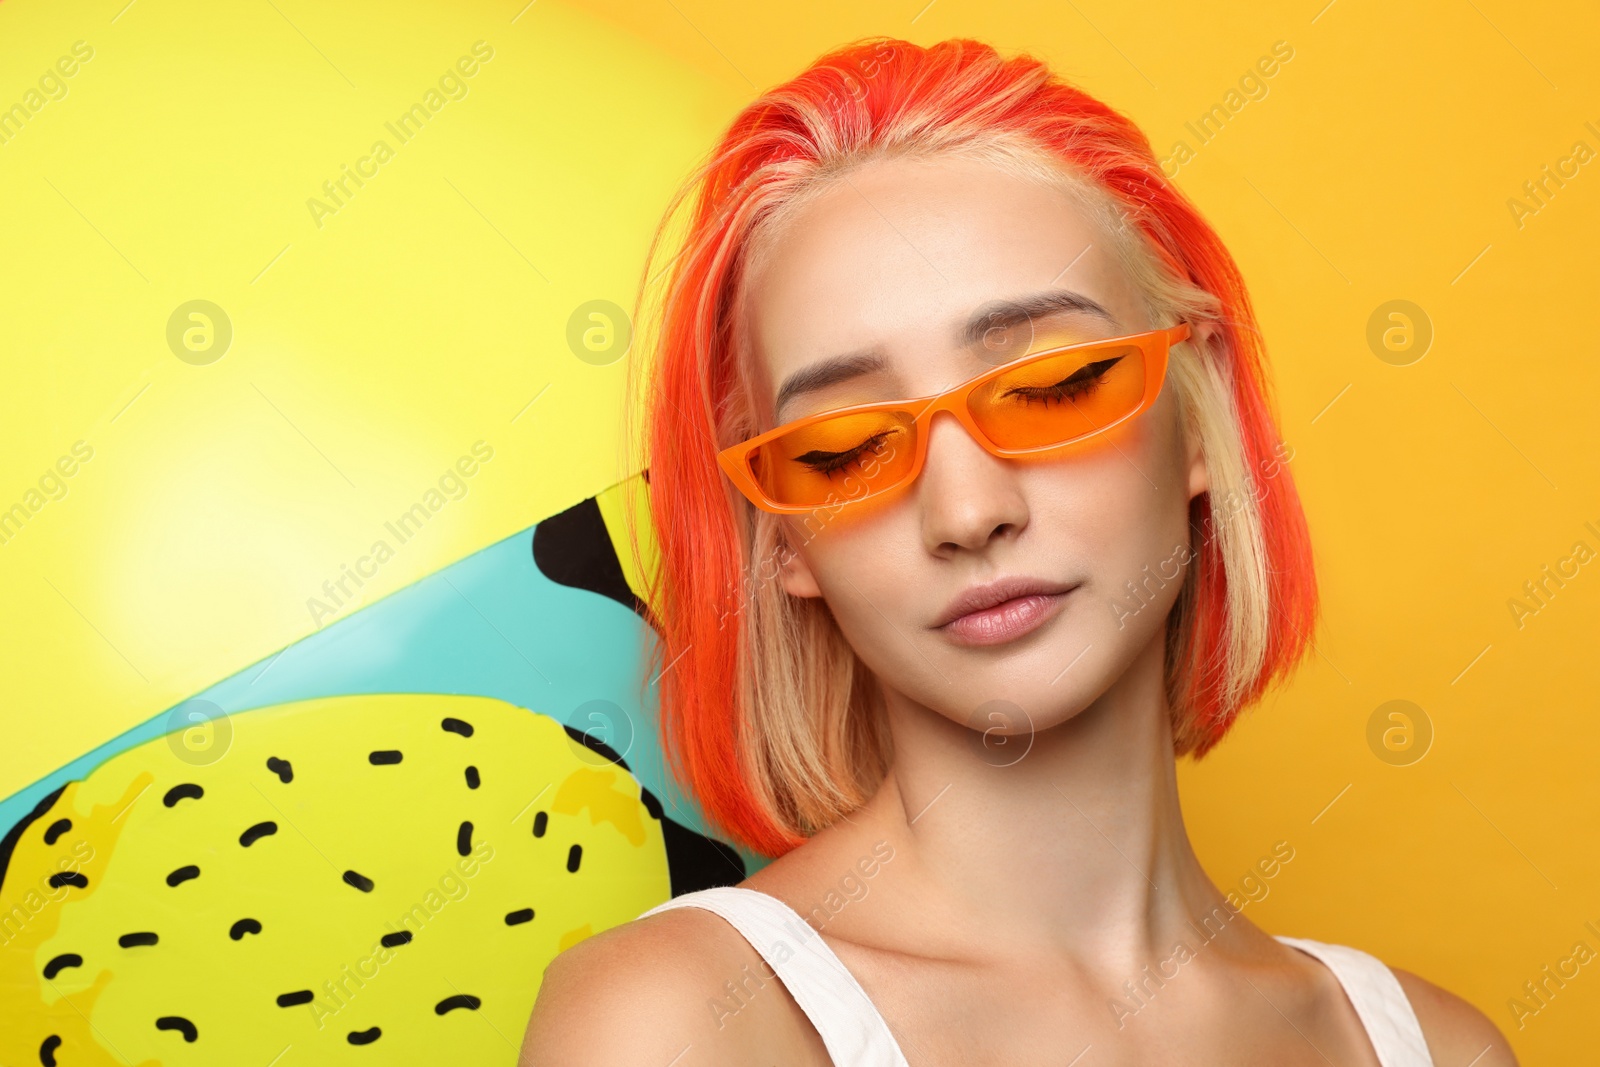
(395,940)
(137,940)
(457,726)
(295,999)
(574,857)
(188,790)
(61,826)
(183,874)
(359,880)
(281,768)
(363,1037)
(180,1024)
(73,878)
(47,1050)
(517,918)
(460,1000)
(651,804)
(61,963)
(540,820)
(257,832)
(472,778)
(464,839)
(384,757)
(242,927)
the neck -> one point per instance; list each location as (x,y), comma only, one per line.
(1077,846)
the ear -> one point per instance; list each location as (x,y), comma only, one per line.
(794,573)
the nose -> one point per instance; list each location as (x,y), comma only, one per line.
(968,496)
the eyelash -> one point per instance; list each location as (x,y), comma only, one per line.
(828,462)
(1073,387)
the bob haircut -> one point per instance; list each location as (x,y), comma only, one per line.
(768,717)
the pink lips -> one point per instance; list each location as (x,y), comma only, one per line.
(1002,611)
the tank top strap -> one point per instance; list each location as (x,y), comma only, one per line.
(1379,1000)
(852,1030)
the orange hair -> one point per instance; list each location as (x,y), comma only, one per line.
(769,767)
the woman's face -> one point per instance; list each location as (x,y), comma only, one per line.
(914,263)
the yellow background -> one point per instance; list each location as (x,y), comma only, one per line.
(428,314)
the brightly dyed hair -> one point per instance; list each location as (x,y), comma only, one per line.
(768,716)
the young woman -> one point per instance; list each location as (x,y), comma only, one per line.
(972,517)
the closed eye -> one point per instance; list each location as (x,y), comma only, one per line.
(827,462)
(1080,382)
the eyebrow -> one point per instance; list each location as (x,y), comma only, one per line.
(996,315)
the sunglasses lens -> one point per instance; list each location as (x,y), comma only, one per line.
(837,460)
(1039,403)
(1062,398)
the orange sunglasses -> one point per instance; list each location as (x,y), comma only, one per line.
(1041,402)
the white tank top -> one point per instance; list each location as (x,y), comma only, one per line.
(856,1035)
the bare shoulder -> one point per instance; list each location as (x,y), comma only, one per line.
(653,991)
(1457,1032)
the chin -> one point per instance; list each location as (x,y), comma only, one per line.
(1015,707)
(1057,682)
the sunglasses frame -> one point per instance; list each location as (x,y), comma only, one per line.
(1153,346)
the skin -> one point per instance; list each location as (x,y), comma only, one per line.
(1022,893)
